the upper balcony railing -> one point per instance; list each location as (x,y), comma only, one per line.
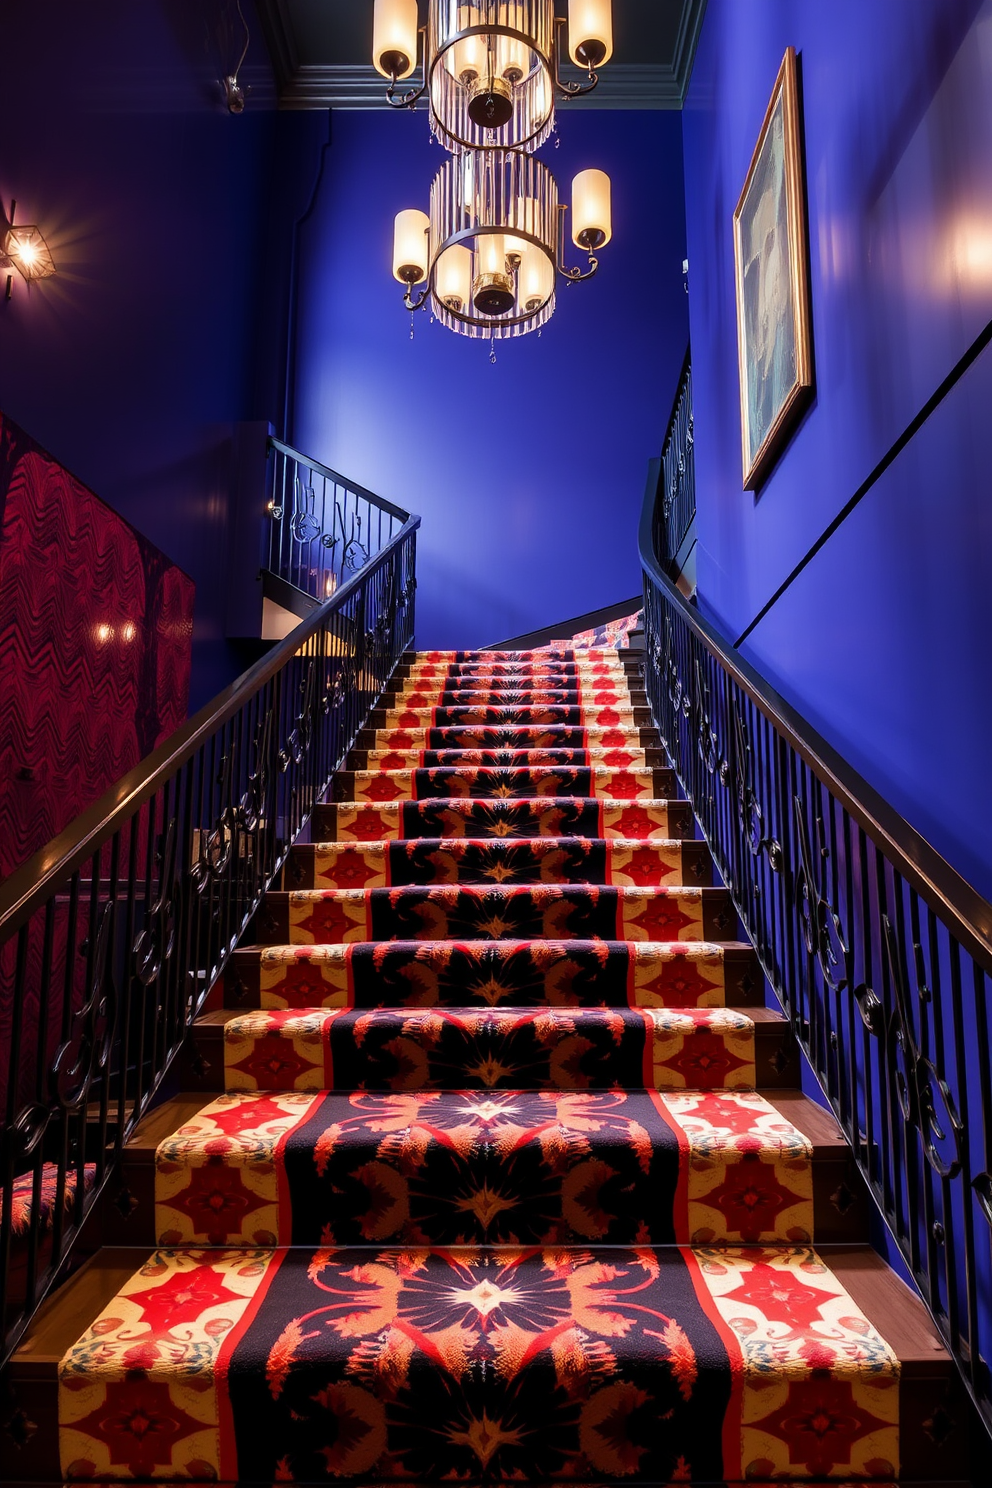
(675,508)
(322,528)
(112,936)
(879,952)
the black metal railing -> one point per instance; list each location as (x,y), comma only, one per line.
(112,936)
(879,952)
(675,509)
(322,528)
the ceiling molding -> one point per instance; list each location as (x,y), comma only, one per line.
(280,38)
(690,26)
(359,86)
(349,86)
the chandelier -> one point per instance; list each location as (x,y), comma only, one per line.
(487,257)
(490,68)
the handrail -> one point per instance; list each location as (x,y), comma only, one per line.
(112,936)
(27,886)
(919,862)
(879,952)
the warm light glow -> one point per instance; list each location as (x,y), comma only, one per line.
(491,249)
(410,231)
(330,584)
(28,251)
(453,277)
(129,631)
(592,216)
(394,37)
(104,632)
(590,32)
(512,59)
(466,60)
(535,279)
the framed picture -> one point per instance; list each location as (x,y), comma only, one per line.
(770,254)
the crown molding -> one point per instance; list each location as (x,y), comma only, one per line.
(349,86)
(280,38)
(359,86)
(690,26)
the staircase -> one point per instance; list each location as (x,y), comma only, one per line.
(489,1162)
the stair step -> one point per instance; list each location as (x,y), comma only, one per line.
(508,736)
(495,973)
(658,1333)
(482,784)
(451,1168)
(569,715)
(513,759)
(614,668)
(396,1049)
(537,816)
(495,912)
(439,860)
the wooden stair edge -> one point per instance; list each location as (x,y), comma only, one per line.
(928,1383)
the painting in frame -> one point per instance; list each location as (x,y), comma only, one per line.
(770,255)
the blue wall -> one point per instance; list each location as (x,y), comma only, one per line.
(170,222)
(528,474)
(883,639)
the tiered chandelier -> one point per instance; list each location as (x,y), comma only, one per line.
(487,256)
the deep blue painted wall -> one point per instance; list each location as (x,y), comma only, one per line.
(528,474)
(883,640)
(171,223)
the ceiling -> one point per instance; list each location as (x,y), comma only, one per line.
(320,51)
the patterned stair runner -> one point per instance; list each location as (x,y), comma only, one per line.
(486,1180)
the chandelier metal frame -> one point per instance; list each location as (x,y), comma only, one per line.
(528,100)
(497,194)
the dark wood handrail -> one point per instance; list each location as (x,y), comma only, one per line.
(966,913)
(28,888)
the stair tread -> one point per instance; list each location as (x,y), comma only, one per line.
(895,1312)
(809,1118)
(762,1017)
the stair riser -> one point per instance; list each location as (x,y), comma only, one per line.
(509,736)
(500,974)
(616,1168)
(425,861)
(439,759)
(562,816)
(403,1052)
(542,912)
(550,1211)
(476,784)
(549,715)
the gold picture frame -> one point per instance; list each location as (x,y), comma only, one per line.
(771,246)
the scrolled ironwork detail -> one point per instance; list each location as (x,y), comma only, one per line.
(85,1055)
(750,815)
(823,933)
(298,743)
(917,1078)
(156,942)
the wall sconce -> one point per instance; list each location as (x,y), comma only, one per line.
(25,249)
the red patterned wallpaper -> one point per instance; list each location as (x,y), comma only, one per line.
(95,638)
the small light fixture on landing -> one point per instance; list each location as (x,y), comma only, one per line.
(490,68)
(24,248)
(489,253)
